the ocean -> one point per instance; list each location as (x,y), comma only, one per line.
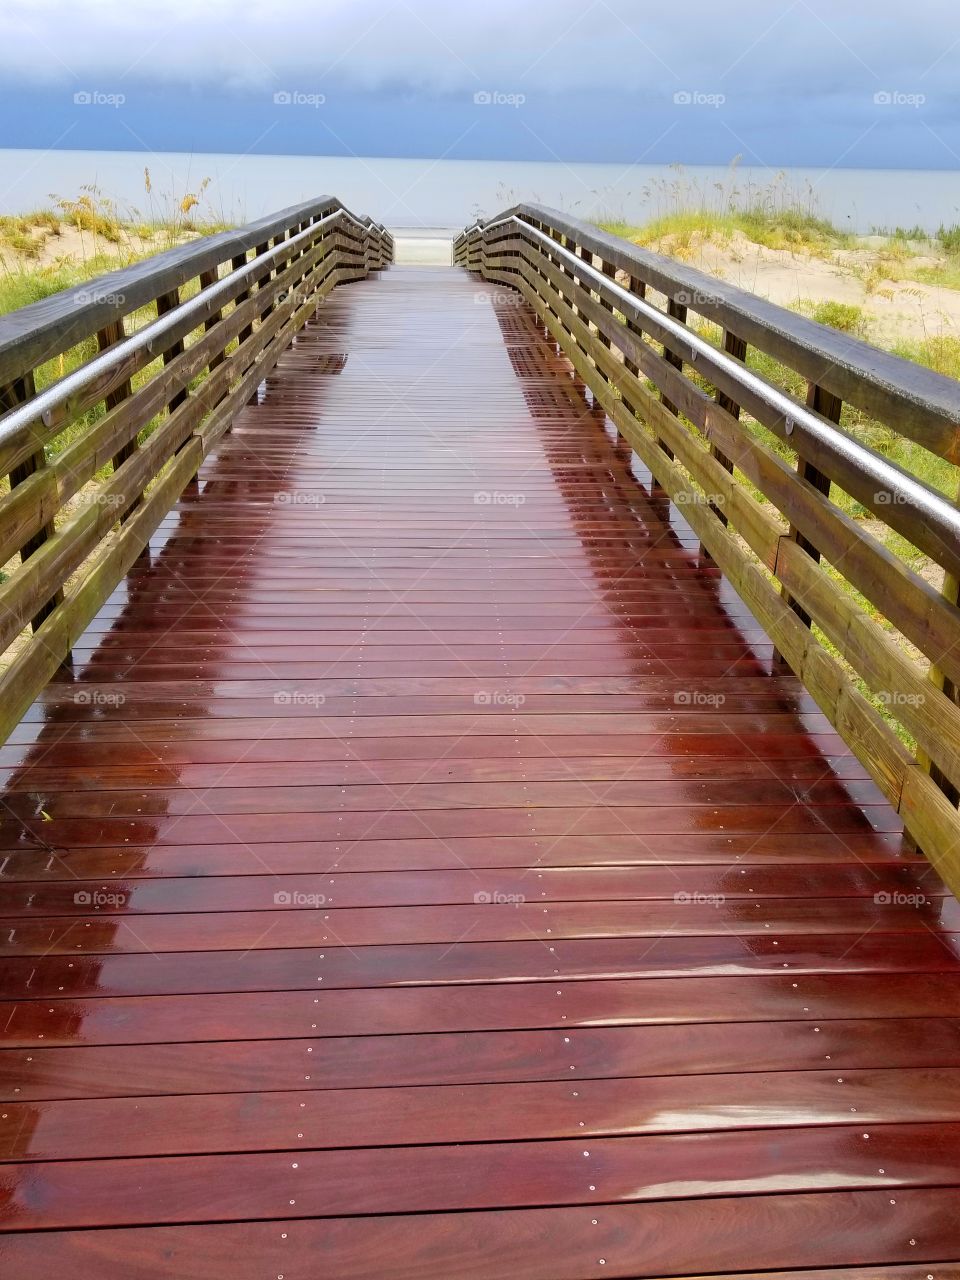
(450,193)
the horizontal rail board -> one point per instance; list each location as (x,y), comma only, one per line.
(916,401)
(40,331)
(802,560)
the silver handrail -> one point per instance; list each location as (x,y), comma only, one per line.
(941,517)
(41,407)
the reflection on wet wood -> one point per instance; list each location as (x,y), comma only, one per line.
(426,873)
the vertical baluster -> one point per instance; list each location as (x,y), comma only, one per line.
(208,278)
(571,296)
(638,288)
(737,348)
(13,394)
(238,263)
(108,336)
(165,303)
(951,593)
(678,311)
(829,406)
(264,280)
(610,271)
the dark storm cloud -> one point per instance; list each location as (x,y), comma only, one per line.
(802,81)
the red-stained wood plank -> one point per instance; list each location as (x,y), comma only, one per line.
(566,864)
(609,768)
(787,819)
(375,797)
(402,1180)
(271,969)
(282,857)
(382,1117)
(315,924)
(375,1061)
(246,1015)
(667,1238)
(541,884)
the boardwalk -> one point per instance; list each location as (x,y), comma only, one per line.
(424,875)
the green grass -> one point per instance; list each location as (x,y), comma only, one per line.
(26,233)
(844,316)
(19,288)
(785,229)
(688,213)
(110,240)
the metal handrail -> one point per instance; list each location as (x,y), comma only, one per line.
(42,406)
(941,516)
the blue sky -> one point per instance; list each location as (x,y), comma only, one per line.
(779,82)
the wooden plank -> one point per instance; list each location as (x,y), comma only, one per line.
(671,1238)
(114,1128)
(540,884)
(303,1183)
(479,1006)
(655,911)
(270,969)
(430,1059)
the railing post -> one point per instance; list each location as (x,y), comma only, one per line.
(108,336)
(169,302)
(677,311)
(238,263)
(16,393)
(266,277)
(828,406)
(950,593)
(567,273)
(208,278)
(638,287)
(737,348)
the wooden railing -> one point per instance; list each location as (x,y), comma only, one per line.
(761,477)
(161,355)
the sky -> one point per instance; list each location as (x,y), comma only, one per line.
(846,83)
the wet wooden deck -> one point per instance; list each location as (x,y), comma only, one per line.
(425,876)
